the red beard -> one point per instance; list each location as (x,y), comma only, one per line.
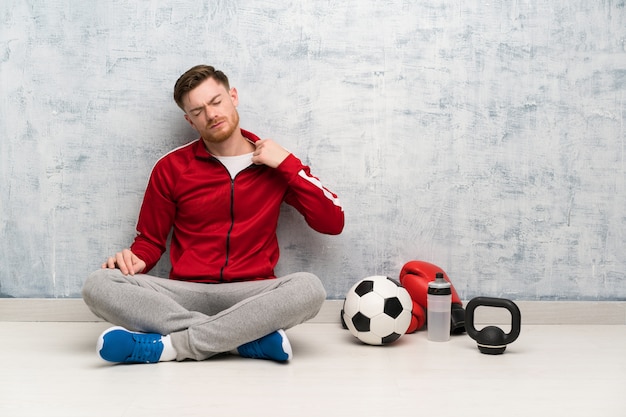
(222,132)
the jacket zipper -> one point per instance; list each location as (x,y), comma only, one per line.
(232,216)
(232,224)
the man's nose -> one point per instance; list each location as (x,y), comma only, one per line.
(211,113)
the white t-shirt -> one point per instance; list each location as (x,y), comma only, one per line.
(236,164)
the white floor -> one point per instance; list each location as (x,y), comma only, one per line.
(51,369)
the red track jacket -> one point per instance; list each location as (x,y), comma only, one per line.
(225,230)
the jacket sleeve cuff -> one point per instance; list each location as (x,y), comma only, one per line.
(290,167)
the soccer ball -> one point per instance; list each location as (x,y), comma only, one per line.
(377,310)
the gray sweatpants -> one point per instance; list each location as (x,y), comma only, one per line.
(203,319)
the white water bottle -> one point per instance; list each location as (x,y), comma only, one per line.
(439,304)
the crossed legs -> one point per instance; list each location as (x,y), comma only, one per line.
(203,319)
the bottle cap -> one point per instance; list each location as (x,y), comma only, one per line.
(439,286)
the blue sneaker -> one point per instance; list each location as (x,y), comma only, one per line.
(274,346)
(123,346)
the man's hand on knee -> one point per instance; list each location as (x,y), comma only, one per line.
(126,261)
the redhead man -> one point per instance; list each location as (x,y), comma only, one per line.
(219,197)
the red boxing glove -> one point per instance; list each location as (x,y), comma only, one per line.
(418,318)
(414,277)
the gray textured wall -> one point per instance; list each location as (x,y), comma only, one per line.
(486,137)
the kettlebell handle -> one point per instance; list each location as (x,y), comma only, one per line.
(516,316)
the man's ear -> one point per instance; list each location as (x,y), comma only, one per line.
(234,96)
(189,120)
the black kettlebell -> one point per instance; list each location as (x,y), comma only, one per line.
(492,340)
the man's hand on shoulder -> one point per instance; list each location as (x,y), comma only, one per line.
(126,261)
(269,153)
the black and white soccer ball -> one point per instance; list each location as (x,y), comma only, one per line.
(377,310)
